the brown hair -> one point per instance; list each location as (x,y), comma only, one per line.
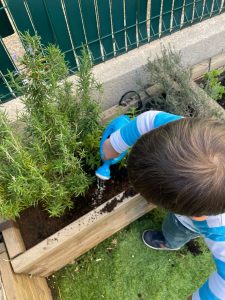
(181,166)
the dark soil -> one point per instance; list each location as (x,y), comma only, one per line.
(222,102)
(113,203)
(194,247)
(36,225)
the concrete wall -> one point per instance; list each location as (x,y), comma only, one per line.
(119,75)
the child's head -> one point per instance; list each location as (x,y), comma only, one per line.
(181,166)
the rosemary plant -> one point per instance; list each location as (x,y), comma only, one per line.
(21,181)
(61,125)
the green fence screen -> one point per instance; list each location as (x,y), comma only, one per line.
(5,25)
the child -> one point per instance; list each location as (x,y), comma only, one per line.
(179,164)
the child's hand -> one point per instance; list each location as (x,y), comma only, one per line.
(109,152)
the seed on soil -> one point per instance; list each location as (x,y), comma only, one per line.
(130,192)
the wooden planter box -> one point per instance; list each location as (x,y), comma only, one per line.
(77,238)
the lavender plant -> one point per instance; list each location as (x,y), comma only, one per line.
(174,79)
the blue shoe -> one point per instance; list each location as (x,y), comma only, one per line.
(155,240)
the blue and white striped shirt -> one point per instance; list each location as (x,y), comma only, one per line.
(213,228)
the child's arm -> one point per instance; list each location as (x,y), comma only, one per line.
(214,287)
(126,137)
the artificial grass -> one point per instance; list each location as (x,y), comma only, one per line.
(123,268)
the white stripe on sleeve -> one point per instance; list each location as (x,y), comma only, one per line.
(214,221)
(117,142)
(217,248)
(145,121)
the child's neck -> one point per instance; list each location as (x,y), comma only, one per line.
(202,218)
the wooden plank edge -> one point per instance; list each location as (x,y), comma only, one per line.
(20,286)
(117,110)
(216,62)
(67,240)
(12,238)
(212,108)
(103,231)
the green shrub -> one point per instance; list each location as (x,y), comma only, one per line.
(61,136)
(21,181)
(213,86)
(173,79)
